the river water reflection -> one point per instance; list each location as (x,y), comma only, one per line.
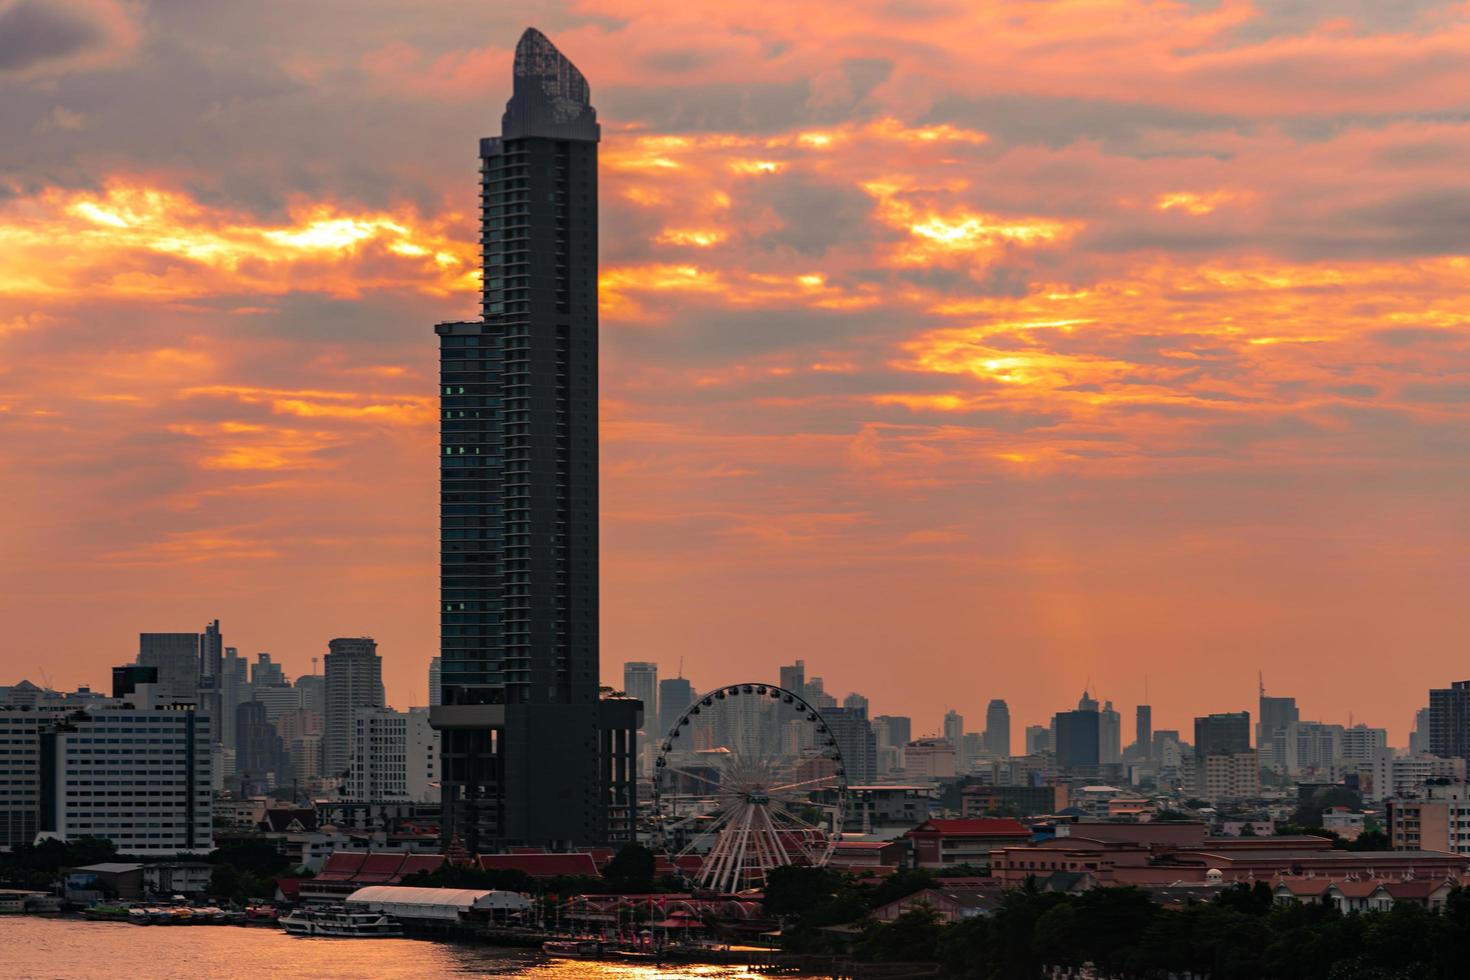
(75,948)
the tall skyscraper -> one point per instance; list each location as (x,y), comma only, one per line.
(640,680)
(1143,730)
(211,652)
(436,690)
(1276,715)
(176,655)
(793,678)
(856,702)
(899,729)
(266,673)
(954,728)
(855,740)
(1227,733)
(998,729)
(674,695)
(1449,721)
(1077,737)
(1110,735)
(531,753)
(354,680)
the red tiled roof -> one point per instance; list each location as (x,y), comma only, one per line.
(1307,886)
(290,888)
(979,827)
(341,865)
(1357,889)
(541,865)
(421,862)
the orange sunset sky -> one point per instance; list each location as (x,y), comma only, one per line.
(962,349)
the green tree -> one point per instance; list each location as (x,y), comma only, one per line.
(911,938)
(631,870)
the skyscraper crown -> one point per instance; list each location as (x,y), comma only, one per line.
(550,97)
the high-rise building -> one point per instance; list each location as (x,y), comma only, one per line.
(377,767)
(260,754)
(1360,743)
(1038,739)
(1077,737)
(135,772)
(436,691)
(1419,734)
(856,742)
(899,729)
(954,728)
(640,680)
(233,688)
(1227,733)
(1110,734)
(532,754)
(1143,729)
(856,702)
(793,678)
(354,679)
(1449,721)
(313,690)
(1275,715)
(20,775)
(176,655)
(264,672)
(674,695)
(125,679)
(211,652)
(998,729)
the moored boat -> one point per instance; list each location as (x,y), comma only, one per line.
(341,923)
(579,948)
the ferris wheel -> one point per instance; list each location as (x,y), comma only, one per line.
(748,778)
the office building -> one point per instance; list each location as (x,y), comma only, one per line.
(1229,777)
(261,763)
(954,728)
(136,773)
(855,740)
(1361,743)
(20,774)
(267,673)
(856,702)
(1275,715)
(793,678)
(640,680)
(998,729)
(1038,739)
(1449,721)
(1419,734)
(436,691)
(1227,733)
(1110,735)
(395,755)
(532,754)
(1388,776)
(1077,738)
(1437,818)
(125,679)
(893,731)
(313,692)
(176,656)
(278,699)
(354,679)
(1143,730)
(233,688)
(674,695)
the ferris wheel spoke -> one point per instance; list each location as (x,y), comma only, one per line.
(830,782)
(692,775)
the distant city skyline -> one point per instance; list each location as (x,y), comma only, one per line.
(937,341)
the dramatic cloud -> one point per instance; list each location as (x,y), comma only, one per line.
(961,350)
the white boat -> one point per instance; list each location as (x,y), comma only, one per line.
(340,922)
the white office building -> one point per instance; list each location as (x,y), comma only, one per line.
(395,755)
(137,773)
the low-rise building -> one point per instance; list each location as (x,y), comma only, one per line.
(1438,819)
(942,844)
(950,904)
(1017,801)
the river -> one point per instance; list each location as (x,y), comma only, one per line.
(62,949)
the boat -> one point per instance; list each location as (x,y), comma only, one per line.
(107,913)
(340,922)
(577,948)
